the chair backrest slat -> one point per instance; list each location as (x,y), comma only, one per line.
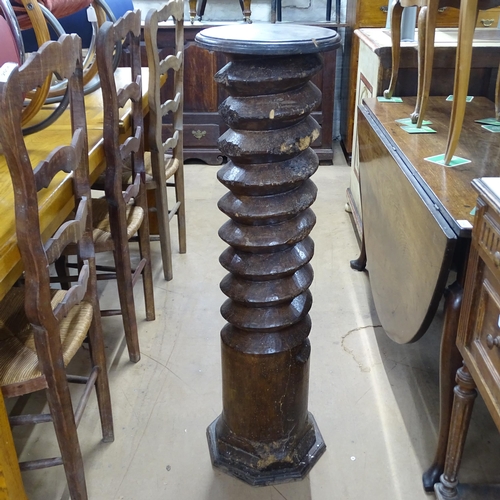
(63,57)
(118,150)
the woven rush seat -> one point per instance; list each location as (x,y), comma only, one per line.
(18,358)
(171,167)
(102,228)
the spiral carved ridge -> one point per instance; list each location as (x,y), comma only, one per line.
(269,190)
(268,259)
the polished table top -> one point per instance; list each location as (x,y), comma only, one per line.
(448,187)
(56,201)
(417,215)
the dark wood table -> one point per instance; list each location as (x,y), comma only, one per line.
(417,224)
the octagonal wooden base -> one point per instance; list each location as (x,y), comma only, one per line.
(237,463)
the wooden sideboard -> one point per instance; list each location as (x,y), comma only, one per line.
(417,227)
(202,97)
(374,72)
(373,14)
(478,340)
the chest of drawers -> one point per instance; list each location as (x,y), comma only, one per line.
(478,340)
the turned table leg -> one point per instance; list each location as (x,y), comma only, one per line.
(465,393)
(265,433)
(448,365)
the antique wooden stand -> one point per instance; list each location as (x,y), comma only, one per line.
(265,433)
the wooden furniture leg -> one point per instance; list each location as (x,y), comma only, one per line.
(11,483)
(422,21)
(359,264)
(200,10)
(465,393)
(192,10)
(397,12)
(497,97)
(466,27)
(328,10)
(449,362)
(246,10)
(428,25)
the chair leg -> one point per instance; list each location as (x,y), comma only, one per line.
(422,21)
(145,252)
(98,358)
(247,12)
(430,31)
(396,14)
(200,10)
(123,267)
(192,10)
(61,409)
(467,24)
(181,211)
(164,227)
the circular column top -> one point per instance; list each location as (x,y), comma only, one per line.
(268,39)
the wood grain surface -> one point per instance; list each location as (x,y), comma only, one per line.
(56,201)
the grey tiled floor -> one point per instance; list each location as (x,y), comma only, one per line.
(375,402)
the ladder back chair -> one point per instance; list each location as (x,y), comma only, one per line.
(164,160)
(123,212)
(41,328)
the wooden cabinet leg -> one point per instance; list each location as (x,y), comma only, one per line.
(465,393)
(449,363)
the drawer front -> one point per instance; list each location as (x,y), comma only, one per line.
(488,18)
(373,14)
(201,135)
(483,345)
(488,241)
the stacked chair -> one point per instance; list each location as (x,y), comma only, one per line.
(41,328)
(42,325)
(164,160)
(123,212)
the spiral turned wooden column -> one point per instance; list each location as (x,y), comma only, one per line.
(265,433)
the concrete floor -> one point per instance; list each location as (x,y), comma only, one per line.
(376,402)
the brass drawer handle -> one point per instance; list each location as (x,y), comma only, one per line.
(199,133)
(496,258)
(487,22)
(384,9)
(491,341)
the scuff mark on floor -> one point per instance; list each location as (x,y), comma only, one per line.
(364,369)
